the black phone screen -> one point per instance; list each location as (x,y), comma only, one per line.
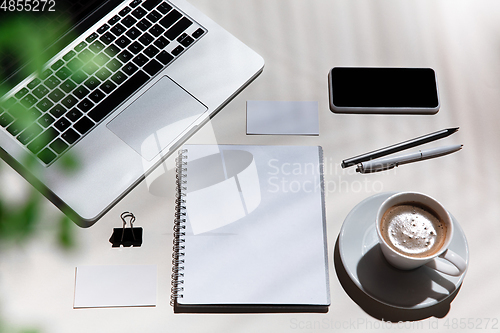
(384,87)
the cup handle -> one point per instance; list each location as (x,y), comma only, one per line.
(459,264)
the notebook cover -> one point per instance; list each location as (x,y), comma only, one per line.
(255,232)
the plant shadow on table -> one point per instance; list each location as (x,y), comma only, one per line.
(402,288)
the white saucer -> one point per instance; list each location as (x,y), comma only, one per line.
(364,263)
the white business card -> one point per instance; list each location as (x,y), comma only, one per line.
(282,117)
(115,286)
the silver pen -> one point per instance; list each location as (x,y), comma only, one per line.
(382,164)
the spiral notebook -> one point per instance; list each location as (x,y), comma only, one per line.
(250,230)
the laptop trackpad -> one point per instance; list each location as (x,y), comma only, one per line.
(156,118)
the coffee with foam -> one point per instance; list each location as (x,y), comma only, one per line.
(413,230)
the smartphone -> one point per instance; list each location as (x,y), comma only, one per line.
(385,90)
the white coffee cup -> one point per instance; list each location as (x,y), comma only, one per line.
(406,260)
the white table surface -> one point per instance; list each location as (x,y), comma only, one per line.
(300,41)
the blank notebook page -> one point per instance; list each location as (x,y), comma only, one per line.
(255,231)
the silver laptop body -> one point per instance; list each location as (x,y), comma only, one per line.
(127,142)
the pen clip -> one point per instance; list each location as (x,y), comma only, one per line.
(361,169)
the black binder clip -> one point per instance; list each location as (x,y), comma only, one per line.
(127,236)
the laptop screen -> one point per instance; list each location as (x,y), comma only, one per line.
(61,21)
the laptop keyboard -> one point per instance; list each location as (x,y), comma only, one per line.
(78,90)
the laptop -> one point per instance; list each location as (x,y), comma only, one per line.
(127,84)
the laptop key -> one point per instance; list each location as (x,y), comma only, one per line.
(135,3)
(178,50)
(135,47)
(122,42)
(139,13)
(107,38)
(130,68)
(156,30)
(187,41)
(90,68)
(34,83)
(150,4)
(40,91)
(6,119)
(153,67)
(92,83)
(128,21)
(69,101)
(70,136)
(114,65)
(103,29)
(42,140)
(63,73)
(81,92)
(96,46)
(83,125)
(114,20)
(68,86)
(62,124)
(21,93)
(80,46)
(107,105)
(79,77)
(161,42)
(154,16)
(108,87)
(164,57)
(46,120)
(85,105)
(59,146)
(56,95)
(44,105)
(133,33)
(119,77)
(112,50)
(101,59)
(58,111)
(118,29)
(47,156)
(140,60)
(97,96)
(151,51)
(16,127)
(197,33)
(57,64)
(170,19)
(146,39)
(144,25)
(29,100)
(103,74)
(9,103)
(125,11)
(125,56)
(69,55)
(29,134)
(178,28)
(91,38)
(52,82)
(33,113)
(86,55)
(74,115)
(45,74)
(164,8)
(75,64)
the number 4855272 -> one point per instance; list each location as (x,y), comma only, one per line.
(471,323)
(28,5)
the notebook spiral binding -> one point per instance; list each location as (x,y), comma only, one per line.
(179,228)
